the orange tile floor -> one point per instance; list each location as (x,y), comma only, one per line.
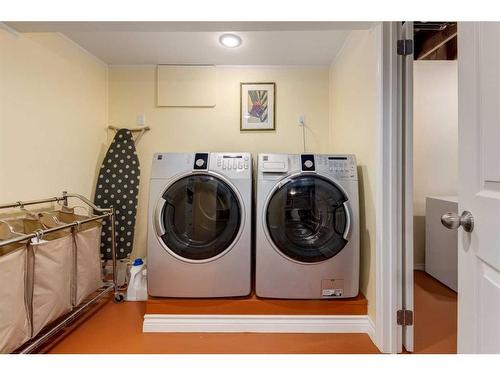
(117,328)
(435,316)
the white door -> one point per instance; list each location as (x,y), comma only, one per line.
(479,187)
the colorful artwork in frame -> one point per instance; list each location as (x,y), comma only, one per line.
(257,106)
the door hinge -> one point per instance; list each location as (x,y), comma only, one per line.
(405,47)
(404,317)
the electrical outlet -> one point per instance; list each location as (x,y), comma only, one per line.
(302,120)
(140,119)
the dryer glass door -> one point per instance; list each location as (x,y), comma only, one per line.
(307,218)
(201,217)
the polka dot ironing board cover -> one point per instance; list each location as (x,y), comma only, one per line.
(118,187)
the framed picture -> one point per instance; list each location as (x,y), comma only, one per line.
(257,106)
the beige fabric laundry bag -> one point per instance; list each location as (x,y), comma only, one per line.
(14,315)
(51,264)
(24,225)
(87,237)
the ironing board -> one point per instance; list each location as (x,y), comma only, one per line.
(118,187)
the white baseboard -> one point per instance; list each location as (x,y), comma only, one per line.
(371,330)
(260,323)
(419,266)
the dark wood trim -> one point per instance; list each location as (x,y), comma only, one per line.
(435,41)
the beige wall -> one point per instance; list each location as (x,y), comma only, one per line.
(435,147)
(353,129)
(53,109)
(53,93)
(299,91)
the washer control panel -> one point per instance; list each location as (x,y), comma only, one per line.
(339,166)
(232,164)
(273,163)
(274,166)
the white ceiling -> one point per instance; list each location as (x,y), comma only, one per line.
(258,48)
(264,43)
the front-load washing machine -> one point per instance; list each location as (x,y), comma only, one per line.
(307,226)
(199,225)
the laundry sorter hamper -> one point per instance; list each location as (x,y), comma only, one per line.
(15,291)
(51,262)
(14,316)
(48,273)
(87,275)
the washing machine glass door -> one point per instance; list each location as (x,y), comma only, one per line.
(201,217)
(307,218)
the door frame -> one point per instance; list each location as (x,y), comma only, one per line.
(389,218)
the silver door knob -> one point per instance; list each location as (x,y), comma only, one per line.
(451,220)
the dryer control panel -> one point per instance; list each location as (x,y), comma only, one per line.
(236,165)
(232,164)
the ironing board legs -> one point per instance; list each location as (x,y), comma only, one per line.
(118,295)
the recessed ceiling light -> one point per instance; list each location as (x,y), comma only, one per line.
(230,40)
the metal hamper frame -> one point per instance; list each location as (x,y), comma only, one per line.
(41,338)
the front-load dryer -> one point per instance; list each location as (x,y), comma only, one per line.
(307,226)
(199,225)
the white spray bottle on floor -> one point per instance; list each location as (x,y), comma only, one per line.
(137,283)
